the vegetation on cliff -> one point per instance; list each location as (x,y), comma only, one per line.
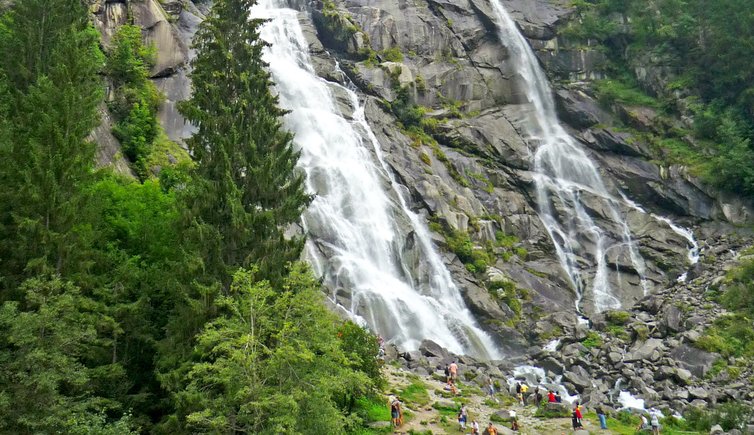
(703,54)
(166,306)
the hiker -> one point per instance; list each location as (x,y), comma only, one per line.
(575,420)
(490,430)
(537,397)
(558,399)
(462,416)
(579,416)
(644,424)
(447,373)
(524,389)
(519,396)
(396,413)
(474,428)
(453,371)
(490,388)
(550,397)
(601,416)
(655,422)
(514,420)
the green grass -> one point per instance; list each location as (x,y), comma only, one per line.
(616,91)
(415,394)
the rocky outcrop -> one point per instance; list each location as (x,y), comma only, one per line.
(477,177)
(169,27)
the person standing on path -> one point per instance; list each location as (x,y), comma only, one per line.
(491,388)
(491,430)
(453,367)
(601,416)
(655,422)
(463,415)
(474,428)
(579,415)
(396,413)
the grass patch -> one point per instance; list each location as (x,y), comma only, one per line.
(415,394)
(616,91)
(592,340)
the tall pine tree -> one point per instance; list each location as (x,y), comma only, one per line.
(50,58)
(246,190)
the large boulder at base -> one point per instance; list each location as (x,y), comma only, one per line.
(429,348)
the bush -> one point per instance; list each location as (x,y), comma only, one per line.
(617,317)
(592,340)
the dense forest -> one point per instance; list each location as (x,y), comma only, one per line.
(170,304)
(701,52)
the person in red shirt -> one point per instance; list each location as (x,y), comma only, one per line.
(551,397)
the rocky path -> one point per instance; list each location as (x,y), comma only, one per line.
(424,416)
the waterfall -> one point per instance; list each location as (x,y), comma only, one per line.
(363,239)
(567,182)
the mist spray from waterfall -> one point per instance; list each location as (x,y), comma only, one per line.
(566,179)
(371,249)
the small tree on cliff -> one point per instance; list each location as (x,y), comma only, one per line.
(246,189)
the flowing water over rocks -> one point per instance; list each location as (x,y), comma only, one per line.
(373,252)
(565,178)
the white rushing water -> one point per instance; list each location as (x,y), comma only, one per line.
(536,377)
(565,180)
(363,238)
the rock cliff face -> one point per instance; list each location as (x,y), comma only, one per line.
(474,174)
(168,25)
(477,177)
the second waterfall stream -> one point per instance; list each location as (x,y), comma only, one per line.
(361,231)
(565,178)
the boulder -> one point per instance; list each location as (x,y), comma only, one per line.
(650,350)
(429,348)
(699,393)
(716,430)
(696,361)
(579,377)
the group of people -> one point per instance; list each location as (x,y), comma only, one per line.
(451,376)
(653,423)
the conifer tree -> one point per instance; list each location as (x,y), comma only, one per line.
(246,190)
(50,58)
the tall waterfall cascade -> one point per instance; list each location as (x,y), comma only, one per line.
(565,177)
(373,252)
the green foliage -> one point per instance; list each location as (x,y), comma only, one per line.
(730,335)
(129,61)
(415,394)
(361,348)
(246,189)
(615,91)
(460,243)
(713,48)
(392,54)
(617,318)
(592,340)
(730,416)
(136,132)
(136,98)
(543,412)
(270,363)
(49,62)
(54,365)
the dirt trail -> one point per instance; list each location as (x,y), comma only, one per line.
(425,418)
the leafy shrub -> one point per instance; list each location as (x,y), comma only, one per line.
(592,340)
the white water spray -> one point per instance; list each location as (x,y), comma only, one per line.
(363,238)
(567,182)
